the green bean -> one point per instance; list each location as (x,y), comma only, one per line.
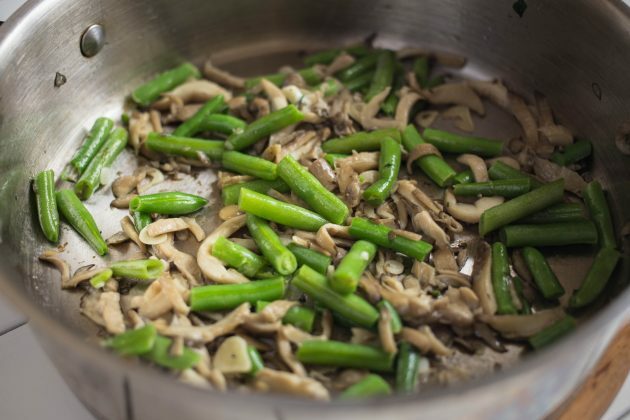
(171,203)
(526,308)
(141,220)
(138,269)
(298,316)
(75,213)
(237,256)
(383,236)
(508,188)
(348,273)
(572,153)
(44,188)
(249,165)
(276,78)
(346,355)
(280,258)
(352,308)
(220,123)
(544,277)
(391,102)
(93,142)
(501,283)
(455,143)
(464,177)
(308,188)
(499,170)
(150,91)
(395,322)
(257,361)
(520,207)
(329,87)
(161,355)
(435,81)
(433,166)
(91,177)
(231,193)
(383,75)
(552,332)
(359,82)
(370,386)
(360,142)
(362,65)
(407,367)
(600,214)
(311,75)
(421,71)
(220,297)
(552,234)
(195,124)
(184,146)
(278,211)
(593,284)
(134,342)
(388,167)
(331,158)
(322,57)
(263,127)
(101,278)
(305,256)
(559,213)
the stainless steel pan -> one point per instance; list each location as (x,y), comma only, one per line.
(577,52)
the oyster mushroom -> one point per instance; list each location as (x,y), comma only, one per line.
(495,91)
(482,278)
(274,94)
(198,90)
(424,340)
(212,268)
(462,117)
(269,380)
(222,77)
(52,256)
(457,94)
(324,173)
(469,213)
(476,164)
(523,326)
(425,223)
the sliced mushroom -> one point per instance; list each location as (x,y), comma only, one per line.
(524,116)
(453,309)
(476,164)
(405,105)
(425,223)
(425,119)
(83,274)
(495,91)
(545,115)
(385,333)
(549,171)
(457,94)
(269,380)
(482,278)
(557,135)
(191,377)
(286,354)
(324,173)
(469,213)
(425,341)
(509,161)
(109,307)
(173,291)
(129,229)
(184,262)
(211,266)
(523,326)
(232,356)
(462,117)
(340,62)
(52,256)
(222,77)
(274,94)
(198,90)
(156,177)
(360,162)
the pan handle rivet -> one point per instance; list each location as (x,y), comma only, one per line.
(92,40)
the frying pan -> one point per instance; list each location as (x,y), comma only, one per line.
(575,51)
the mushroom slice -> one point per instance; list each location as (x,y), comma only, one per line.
(524,116)
(457,94)
(156,177)
(153,303)
(164,226)
(147,239)
(360,162)
(171,289)
(117,238)
(198,90)
(523,326)
(414,195)
(469,213)
(509,161)
(453,309)
(545,115)
(127,226)
(444,261)
(191,377)
(273,312)
(109,307)
(423,149)
(557,135)
(482,278)
(367,115)
(232,356)
(82,274)
(211,266)
(274,94)
(230,211)
(340,62)
(324,173)
(549,171)
(269,380)
(139,128)
(385,333)
(427,225)
(284,349)
(184,262)
(52,256)
(476,164)
(222,77)
(404,107)
(125,184)
(425,341)
(425,119)
(495,91)
(462,117)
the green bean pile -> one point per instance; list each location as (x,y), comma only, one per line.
(329,271)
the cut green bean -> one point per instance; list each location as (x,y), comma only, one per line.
(347,275)
(99,280)
(388,167)
(48,215)
(141,220)
(370,386)
(501,282)
(278,211)
(433,166)
(499,170)
(306,186)
(345,355)
(407,367)
(220,123)
(559,213)
(352,308)
(552,234)
(75,213)
(421,71)
(231,193)
(257,362)
(526,308)
(221,297)
(170,203)
(134,342)
(456,143)
(464,177)
(383,75)
(305,256)
(249,165)
(359,82)
(391,102)
(93,142)
(395,322)
(184,146)
(263,127)
(329,87)
(195,124)
(237,256)
(520,207)
(600,214)
(331,158)
(138,269)
(91,177)
(508,188)
(383,236)
(276,78)
(573,153)
(150,91)
(161,355)
(360,142)
(298,316)
(362,65)
(552,332)
(322,57)
(280,258)
(544,277)
(436,81)
(596,279)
